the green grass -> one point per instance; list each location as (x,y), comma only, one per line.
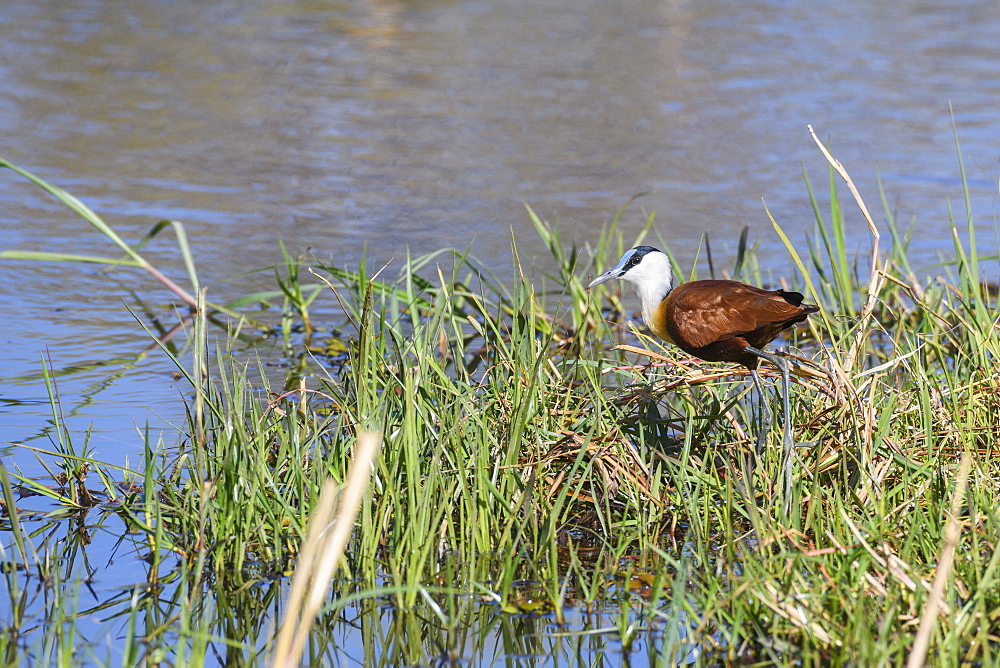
(540,490)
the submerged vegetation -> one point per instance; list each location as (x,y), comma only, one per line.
(552,482)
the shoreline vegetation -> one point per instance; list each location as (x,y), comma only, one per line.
(552,482)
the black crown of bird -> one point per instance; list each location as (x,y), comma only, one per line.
(715,320)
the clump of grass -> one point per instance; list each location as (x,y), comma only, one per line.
(543,463)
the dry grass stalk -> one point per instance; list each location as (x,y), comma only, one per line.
(876,277)
(322,552)
(936,603)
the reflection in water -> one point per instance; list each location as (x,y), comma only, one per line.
(122,602)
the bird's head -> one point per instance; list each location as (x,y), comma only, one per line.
(645,267)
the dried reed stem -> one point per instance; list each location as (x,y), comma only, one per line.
(876,277)
(918,654)
(321,553)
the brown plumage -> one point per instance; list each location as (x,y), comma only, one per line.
(717,321)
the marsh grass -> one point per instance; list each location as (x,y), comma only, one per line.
(552,482)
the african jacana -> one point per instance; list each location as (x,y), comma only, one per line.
(717,321)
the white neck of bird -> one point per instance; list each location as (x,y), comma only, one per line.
(653,279)
(650,296)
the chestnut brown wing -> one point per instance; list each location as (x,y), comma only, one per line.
(701,313)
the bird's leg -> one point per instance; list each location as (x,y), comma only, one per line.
(766,417)
(788,444)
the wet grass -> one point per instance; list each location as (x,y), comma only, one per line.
(553,485)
